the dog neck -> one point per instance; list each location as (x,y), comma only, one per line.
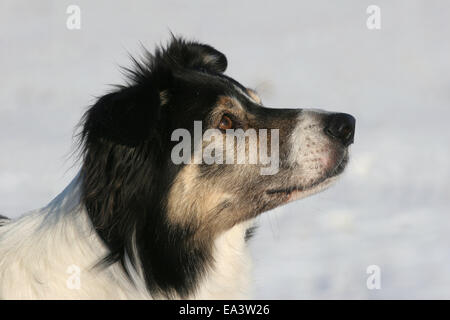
(168,262)
(62,239)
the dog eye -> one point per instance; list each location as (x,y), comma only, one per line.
(225,122)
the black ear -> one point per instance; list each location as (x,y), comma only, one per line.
(195,55)
(129,115)
(126,116)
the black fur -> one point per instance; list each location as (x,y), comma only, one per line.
(127,170)
(3,220)
(250,232)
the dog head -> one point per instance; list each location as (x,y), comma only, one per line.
(183,153)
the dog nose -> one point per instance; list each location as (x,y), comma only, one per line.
(342,127)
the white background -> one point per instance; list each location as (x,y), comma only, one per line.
(391,208)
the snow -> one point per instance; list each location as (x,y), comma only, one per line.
(391,207)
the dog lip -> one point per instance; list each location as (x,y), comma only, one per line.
(338,169)
(289,190)
(286,191)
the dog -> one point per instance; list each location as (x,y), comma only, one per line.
(134,223)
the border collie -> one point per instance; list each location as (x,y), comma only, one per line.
(133,224)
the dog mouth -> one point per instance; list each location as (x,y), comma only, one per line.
(287,192)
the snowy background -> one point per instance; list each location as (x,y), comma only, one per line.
(390,209)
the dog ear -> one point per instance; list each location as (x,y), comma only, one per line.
(127,116)
(194,55)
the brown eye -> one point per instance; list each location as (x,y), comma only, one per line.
(225,123)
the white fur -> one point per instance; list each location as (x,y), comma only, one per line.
(38,252)
(230,276)
(311,147)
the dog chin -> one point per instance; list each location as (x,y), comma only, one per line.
(283,196)
(298,194)
(330,178)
